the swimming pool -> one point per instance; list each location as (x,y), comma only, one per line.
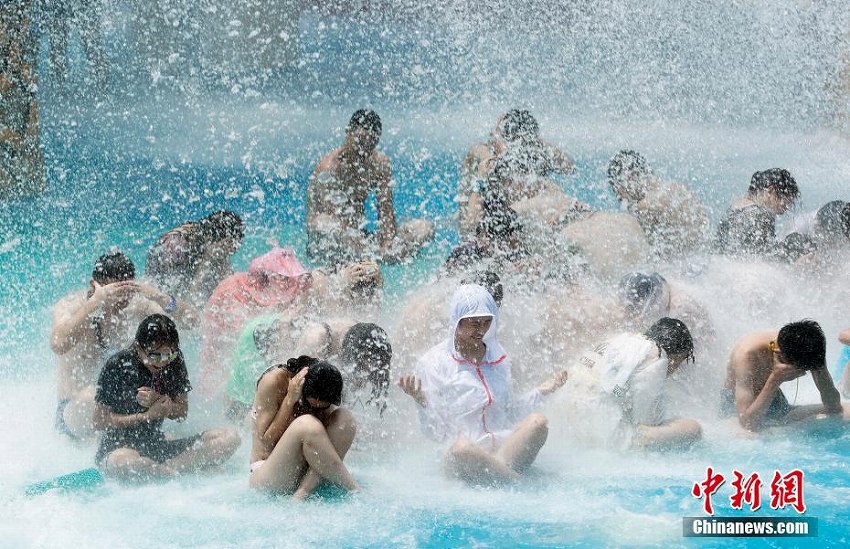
(123,170)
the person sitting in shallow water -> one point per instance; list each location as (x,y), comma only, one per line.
(673,219)
(362,348)
(749,227)
(427,305)
(189,261)
(762,361)
(823,235)
(648,297)
(336,198)
(499,241)
(463,390)
(89,326)
(300,433)
(530,159)
(627,374)
(276,282)
(138,389)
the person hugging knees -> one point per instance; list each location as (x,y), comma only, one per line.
(138,389)
(464,395)
(300,432)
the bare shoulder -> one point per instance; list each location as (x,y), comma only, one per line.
(750,347)
(479,151)
(272,381)
(69,304)
(380,161)
(328,163)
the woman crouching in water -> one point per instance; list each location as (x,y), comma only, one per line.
(300,433)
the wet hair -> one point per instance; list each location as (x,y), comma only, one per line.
(491,281)
(113,266)
(833,218)
(220,225)
(778,179)
(156,330)
(366,341)
(803,344)
(796,245)
(366,119)
(625,162)
(671,335)
(322,382)
(519,125)
(295,365)
(368,344)
(464,256)
(366,288)
(264,335)
(639,290)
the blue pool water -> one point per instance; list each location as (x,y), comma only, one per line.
(124,169)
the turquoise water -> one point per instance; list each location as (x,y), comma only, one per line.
(576,496)
(125,168)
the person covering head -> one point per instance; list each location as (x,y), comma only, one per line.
(641,292)
(113,266)
(802,344)
(323,383)
(474,301)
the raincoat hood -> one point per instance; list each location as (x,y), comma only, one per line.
(472,300)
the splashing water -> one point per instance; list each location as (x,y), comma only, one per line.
(211,106)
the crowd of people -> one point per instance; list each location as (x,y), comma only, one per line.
(300,354)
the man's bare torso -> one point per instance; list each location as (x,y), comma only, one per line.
(341,186)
